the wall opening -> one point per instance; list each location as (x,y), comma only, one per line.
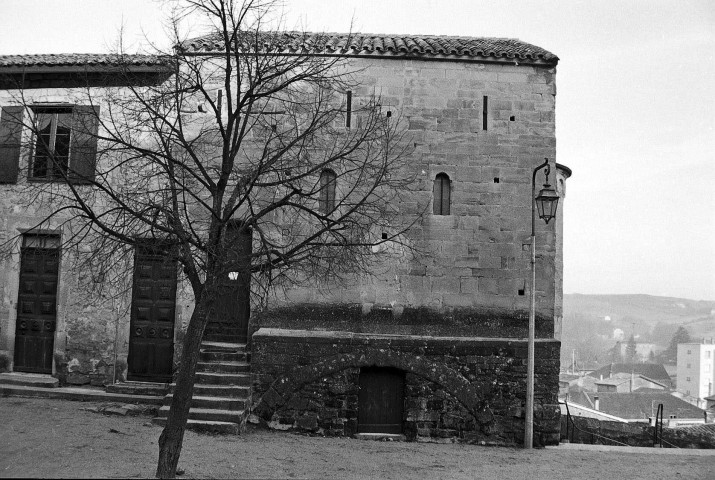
(381,400)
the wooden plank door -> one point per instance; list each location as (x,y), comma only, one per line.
(151,338)
(381,400)
(37,304)
(231,309)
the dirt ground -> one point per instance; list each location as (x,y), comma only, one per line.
(58,438)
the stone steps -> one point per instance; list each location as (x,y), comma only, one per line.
(29,380)
(222,389)
(209,414)
(232,391)
(228,336)
(205,425)
(138,388)
(216,403)
(217,378)
(218,366)
(211,356)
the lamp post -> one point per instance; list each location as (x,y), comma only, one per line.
(545,203)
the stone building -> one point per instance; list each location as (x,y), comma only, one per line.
(432,345)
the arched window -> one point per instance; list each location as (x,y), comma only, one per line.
(326,202)
(442,193)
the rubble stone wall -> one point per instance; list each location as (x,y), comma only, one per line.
(456,388)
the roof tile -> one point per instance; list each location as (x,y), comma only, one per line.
(81,60)
(427,46)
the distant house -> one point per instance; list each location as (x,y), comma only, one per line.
(643,350)
(635,407)
(653,371)
(624,382)
(696,370)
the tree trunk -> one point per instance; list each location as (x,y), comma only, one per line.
(172,436)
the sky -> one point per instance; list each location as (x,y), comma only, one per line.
(635,111)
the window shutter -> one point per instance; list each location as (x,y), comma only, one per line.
(83,152)
(10,140)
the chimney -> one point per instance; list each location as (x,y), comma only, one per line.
(596,403)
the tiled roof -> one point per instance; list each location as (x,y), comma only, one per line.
(654,371)
(707,429)
(97,60)
(381,45)
(641,405)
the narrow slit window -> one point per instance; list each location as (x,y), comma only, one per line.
(442,194)
(326,202)
(348,108)
(485,107)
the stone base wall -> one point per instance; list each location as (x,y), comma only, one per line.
(456,388)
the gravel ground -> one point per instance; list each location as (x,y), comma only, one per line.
(59,438)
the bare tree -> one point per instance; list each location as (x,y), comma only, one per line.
(257,140)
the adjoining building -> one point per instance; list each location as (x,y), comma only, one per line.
(432,345)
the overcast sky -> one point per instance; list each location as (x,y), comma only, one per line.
(635,111)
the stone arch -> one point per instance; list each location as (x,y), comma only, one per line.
(469,394)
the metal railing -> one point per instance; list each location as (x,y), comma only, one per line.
(658,427)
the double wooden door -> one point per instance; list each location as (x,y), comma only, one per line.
(37,304)
(151,338)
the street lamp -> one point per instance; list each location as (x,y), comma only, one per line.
(545,203)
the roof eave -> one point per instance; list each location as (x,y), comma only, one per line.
(81,69)
(404,56)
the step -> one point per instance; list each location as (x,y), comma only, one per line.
(224,338)
(211,414)
(216,403)
(207,390)
(139,388)
(205,425)
(29,380)
(209,356)
(214,346)
(223,367)
(216,378)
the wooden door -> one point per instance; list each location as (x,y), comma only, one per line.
(380,401)
(37,304)
(231,309)
(151,338)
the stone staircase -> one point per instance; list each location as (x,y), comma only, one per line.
(222,390)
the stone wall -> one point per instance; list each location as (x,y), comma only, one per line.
(636,434)
(477,258)
(457,388)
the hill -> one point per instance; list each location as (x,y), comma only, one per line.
(646,309)
(594,323)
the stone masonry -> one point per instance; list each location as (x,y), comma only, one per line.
(451,315)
